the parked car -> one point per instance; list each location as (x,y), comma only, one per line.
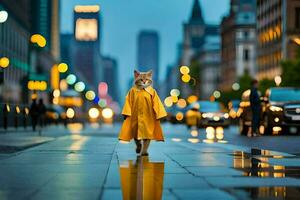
(212,114)
(55,114)
(193,116)
(281,111)
(176,115)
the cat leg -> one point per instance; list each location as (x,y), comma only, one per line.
(138,145)
(146,143)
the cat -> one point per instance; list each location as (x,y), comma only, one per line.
(143,79)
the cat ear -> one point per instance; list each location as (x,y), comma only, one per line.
(136,73)
(149,73)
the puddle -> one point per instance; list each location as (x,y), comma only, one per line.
(266,193)
(259,166)
(141,179)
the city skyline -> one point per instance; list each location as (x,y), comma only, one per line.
(137,17)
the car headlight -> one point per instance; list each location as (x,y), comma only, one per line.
(276,108)
(226,115)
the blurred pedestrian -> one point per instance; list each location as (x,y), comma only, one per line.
(255,107)
(42,112)
(34,113)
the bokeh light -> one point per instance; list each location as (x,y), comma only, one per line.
(71,79)
(102,89)
(217,94)
(219,133)
(174,99)
(39,40)
(3,16)
(168,101)
(191,99)
(90,95)
(94,113)
(4,62)
(70,113)
(56,93)
(62,67)
(186,78)
(179,116)
(181,103)
(63,85)
(102,103)
(184,70)
(210,133)
(236,86)
(80,86)
(194,133)
(277,80)
(175,92)
(107,113)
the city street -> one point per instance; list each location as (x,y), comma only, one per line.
(90,163)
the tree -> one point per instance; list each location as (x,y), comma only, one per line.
(264,84)
(290,71)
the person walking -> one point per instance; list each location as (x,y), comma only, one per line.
(34,113)
(255,107)
(42,112)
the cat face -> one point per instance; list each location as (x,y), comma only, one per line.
(142,79)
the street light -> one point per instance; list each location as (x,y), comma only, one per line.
(3,16)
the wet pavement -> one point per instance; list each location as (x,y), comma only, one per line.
(99,167)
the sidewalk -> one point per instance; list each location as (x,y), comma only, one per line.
(85,167)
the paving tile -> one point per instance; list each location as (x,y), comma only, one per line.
(111,194)
(64,194)
(186,181)
(207,194)
(214,171)
(225,182)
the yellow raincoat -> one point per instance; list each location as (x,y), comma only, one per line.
(143,109)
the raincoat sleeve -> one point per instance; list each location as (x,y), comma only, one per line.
(158,107)
(127,105)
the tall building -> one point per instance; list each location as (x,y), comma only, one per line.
(238,42)
(110,75)
(210,63)
(148,53)
(45,21)
(86,55)
(278,25)
(14,36)
(194,39)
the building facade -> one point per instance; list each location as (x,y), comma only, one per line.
(148,53)
(278,25)
(85,48)
(14,36)
(210,63)
(110,72)
(238,33)
(195,37)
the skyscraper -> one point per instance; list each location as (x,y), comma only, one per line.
(86,55)
(148,53)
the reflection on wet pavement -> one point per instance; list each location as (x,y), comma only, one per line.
(258,165)
(266,193)
(141,179)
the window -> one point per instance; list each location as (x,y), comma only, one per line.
(246,55)
(246,34)
(297,17)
